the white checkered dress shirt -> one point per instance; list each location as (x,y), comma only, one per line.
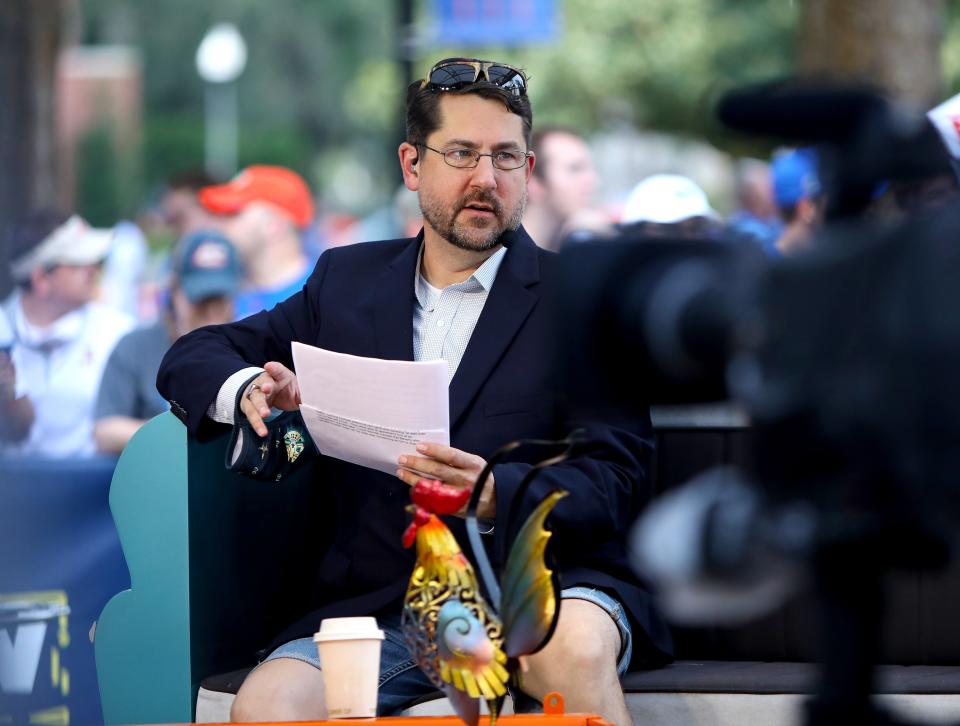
(443,320)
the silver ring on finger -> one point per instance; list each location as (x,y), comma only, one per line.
(254,387)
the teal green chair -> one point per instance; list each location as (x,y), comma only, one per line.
(218,565)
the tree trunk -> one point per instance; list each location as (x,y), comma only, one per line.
(892,43)
(30,37)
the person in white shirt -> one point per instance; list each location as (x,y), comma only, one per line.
(61,338)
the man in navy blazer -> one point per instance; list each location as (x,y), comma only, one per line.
(467,289)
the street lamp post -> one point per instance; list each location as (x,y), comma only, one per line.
(221,58)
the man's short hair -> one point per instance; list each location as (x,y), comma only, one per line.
(539,138)
(423,107)
(191,180)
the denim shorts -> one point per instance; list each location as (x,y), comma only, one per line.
(403,683)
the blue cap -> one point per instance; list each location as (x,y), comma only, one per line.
(205,265)
(794,176)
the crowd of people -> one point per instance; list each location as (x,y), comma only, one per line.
(463,282)
(83,333)
(79,352)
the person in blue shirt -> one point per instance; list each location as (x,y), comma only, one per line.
(757,216)
(266,210)
(799,195)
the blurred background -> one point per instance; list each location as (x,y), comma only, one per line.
(121,110)
(104,104)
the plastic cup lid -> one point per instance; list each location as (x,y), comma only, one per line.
(348,629)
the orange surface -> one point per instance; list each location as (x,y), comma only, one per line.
(553,713)
(570,719)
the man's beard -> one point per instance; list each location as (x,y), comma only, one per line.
(484,233)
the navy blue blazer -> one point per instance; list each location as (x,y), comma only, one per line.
(359,300)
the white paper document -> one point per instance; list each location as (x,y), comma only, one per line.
(369,411)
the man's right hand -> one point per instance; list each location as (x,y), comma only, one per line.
(277,387)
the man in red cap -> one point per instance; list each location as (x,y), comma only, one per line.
(269,207)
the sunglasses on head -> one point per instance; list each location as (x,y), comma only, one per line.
(459,72)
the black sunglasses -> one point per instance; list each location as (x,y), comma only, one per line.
(459,72)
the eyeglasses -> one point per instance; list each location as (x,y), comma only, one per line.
(459,72)
(460,158)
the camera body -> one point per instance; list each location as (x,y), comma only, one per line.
(846,360)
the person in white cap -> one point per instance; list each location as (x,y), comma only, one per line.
(670,205)
(61,338)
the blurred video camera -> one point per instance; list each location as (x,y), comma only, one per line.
(846,359)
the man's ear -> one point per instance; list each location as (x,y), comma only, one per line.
(409,156)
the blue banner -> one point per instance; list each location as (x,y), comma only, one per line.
(60,561)
(495,22)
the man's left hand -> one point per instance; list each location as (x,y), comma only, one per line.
(453,467)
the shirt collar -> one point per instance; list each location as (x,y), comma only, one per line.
(64,329)
(484,276)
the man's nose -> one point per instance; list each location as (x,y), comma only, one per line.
(484,174)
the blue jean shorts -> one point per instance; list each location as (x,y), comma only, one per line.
(403,683)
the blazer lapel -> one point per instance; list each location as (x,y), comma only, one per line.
(508,306)
(393,305)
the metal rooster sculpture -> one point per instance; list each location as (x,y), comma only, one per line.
(469,648)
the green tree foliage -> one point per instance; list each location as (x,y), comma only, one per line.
(98,185)
(657,64)
(303,56)
(323,82)
(951,51)
(319,75)
(175,142)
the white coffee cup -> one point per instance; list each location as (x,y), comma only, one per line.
(349,651)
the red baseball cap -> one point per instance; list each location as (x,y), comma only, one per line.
(275,185)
